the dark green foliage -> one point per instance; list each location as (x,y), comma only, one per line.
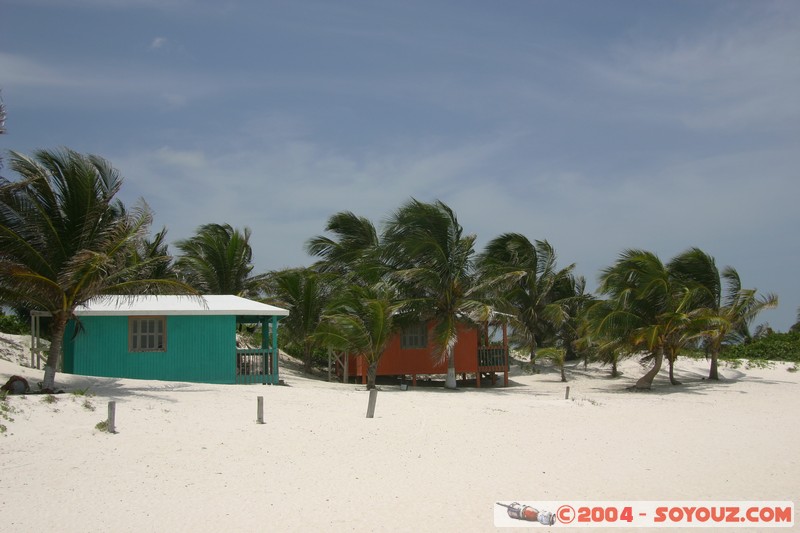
(2,117)
(305,293)
(15,326)
(538,298)
(218,260)
(775,347)
(354,250)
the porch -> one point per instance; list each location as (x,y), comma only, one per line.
(493,352)
(256,365)
(491,360)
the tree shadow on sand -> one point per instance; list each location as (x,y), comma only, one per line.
(691,382)
(117,388)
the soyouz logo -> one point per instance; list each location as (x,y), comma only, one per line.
(682,514)
(531,514)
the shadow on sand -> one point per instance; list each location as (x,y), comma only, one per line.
(114,388)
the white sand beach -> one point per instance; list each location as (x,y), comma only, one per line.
(191,457)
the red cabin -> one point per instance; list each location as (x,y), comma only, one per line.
(479,350)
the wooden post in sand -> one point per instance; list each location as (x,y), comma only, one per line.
(566,397)
(373,397)
(260,413)
(112,416)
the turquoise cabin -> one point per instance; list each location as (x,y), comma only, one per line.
(173,338)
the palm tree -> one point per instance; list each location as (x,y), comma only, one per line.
(600,336)
(2,116)
(680,328)
(362,320)
(727,308)
(433,262)
(154,253)
(353,251)
(558,357)
(575,302)
(305,293)
(650,309)
(64,239)
(2,122)
(528,286)
(218,260)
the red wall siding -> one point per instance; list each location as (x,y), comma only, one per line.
(396,361)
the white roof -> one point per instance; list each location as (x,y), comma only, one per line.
(216,304)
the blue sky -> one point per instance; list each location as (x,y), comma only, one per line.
(596,125)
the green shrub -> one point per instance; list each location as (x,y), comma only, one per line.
(13,325)
(774,347)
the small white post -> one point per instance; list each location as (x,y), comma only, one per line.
(373,397)
(329,363)
(566,397)
(112,417)
(260,416)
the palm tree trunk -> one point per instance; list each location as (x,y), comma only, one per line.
(570,354)
(646,381)
(713,372)
(372,372)
(563,375)
(307,360)
(614,371)
(671,360)
(57,330)
(450,382)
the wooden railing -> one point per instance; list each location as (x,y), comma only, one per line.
(254,366)
(492,358)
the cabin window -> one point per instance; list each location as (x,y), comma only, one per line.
(415,336)
(147,334)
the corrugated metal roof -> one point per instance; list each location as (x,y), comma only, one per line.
(215,304)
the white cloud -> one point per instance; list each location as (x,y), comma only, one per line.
(175,100)
(741,74)
(186,160)
(25,72)
(158,42)
(286,192)
(116,85)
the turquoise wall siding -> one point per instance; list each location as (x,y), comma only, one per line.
(68,350)
(199,348)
